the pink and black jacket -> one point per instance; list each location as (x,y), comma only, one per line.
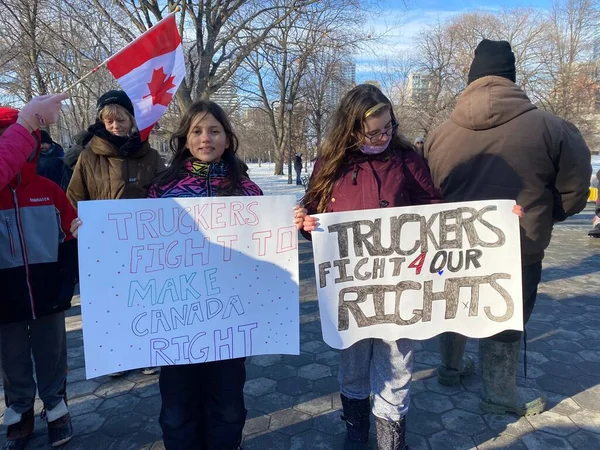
(38,254)
(199,179)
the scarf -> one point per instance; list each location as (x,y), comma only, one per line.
(125,145)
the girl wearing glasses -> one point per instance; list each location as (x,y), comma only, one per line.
(365,163)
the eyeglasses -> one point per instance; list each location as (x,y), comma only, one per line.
(379,136)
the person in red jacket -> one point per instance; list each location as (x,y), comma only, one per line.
(364,164)
(16,140)
(38,273)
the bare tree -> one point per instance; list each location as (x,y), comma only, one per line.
(252,129)
(524,29)
(218,35)
(550,50)
(280,51)
(565,84)
(282,62)
(45,48)
(438,47)
(325,75)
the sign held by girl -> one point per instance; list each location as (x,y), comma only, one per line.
(415,272)
(187,280)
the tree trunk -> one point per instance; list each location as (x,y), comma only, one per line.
(278,164)
(184,98)
(319,132)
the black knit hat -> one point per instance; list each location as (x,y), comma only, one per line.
(493,58)
(46,139)
(115,98)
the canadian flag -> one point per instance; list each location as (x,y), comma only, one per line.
(150,70)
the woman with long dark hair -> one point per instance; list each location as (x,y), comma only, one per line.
(366,163)
(203,404)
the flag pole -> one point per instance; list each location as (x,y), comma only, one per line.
(103,63)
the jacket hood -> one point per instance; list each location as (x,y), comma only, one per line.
(72,155)
(80,141)
(9,116)
(490,102)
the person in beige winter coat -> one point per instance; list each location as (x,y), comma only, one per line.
(498,145)
(115,163)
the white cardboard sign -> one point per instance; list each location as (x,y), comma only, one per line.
(180,281)
(415,272)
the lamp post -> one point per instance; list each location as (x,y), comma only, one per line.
(289,106)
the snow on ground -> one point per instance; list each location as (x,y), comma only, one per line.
(595,168)
(275,184)
(595,163)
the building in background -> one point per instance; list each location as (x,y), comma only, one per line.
(227,97)
(343,78)
(418,87)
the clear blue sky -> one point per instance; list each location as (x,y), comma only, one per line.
(408,18)
(457,5)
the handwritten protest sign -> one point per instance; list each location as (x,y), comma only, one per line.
(415,272)
(179,281)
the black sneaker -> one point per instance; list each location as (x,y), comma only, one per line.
(19,433)
(60,431)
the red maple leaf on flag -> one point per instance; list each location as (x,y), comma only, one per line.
(159,85)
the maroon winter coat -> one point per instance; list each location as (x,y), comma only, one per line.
(400,178)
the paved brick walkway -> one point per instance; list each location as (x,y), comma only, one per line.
(293,401)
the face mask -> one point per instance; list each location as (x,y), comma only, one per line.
(374,149)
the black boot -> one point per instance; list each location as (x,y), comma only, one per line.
(356,416)
(391,435)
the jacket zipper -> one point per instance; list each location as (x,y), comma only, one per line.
(13,250)
(127,178)
(208,181)
(24,251)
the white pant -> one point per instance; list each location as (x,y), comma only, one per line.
(381,367)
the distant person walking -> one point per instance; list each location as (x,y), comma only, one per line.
(595,231)
(298,168)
